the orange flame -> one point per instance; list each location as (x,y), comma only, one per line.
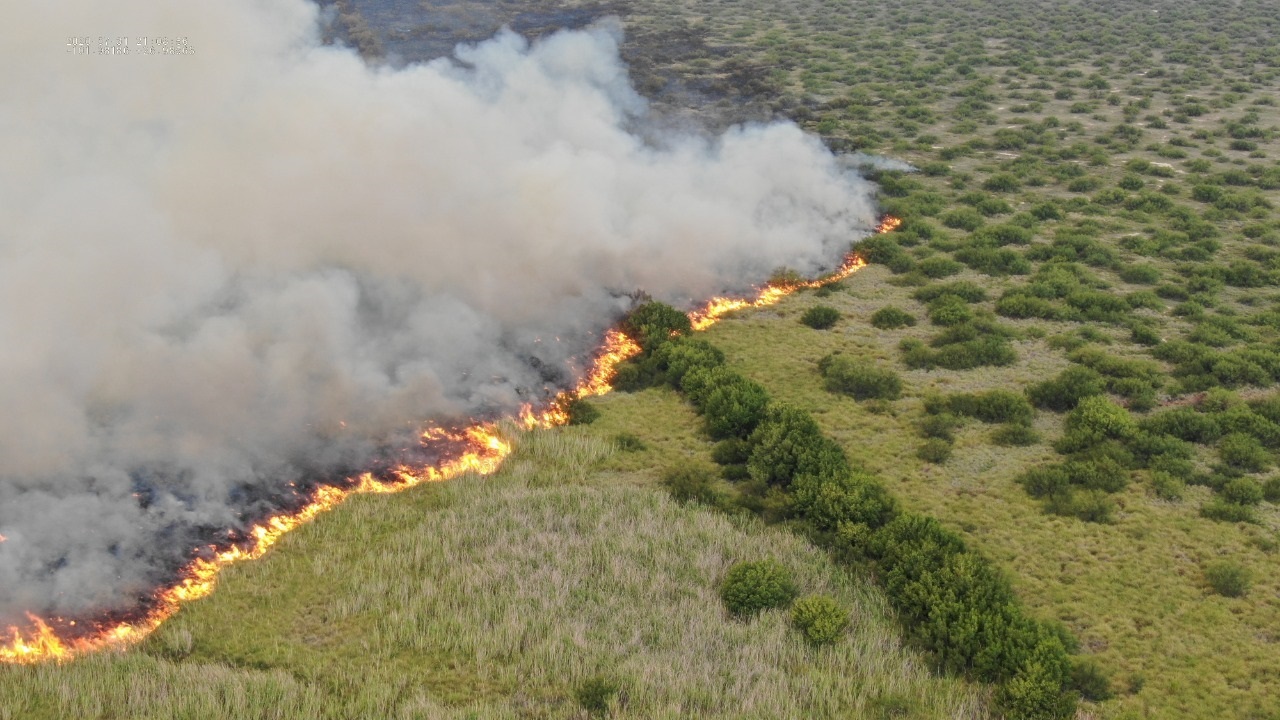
(485,449)
(888,223)
(716,308)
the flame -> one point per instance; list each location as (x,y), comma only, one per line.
(888,223)
(484,449)
(718,307)
(483,454)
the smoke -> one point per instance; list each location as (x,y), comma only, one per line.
(228,271)
(867,161)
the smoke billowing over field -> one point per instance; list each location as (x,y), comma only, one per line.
(266,262)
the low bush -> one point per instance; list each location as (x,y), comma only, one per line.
(1229,579)
(820,317)
(1224,511)
(733,451)
(940,425)
(1167,486)
(891,318)
(827,504)
(1035,694)
(628,442)
(949,310)
(993,406)
(934,450)
(1242,491)
(580,412)
(696,484)
(1089,505)
(654,323)
(1243,452)
(1140,274)
(677,357)
(734,408)
(859,379)
(1066,390)
(938,266)
(750,587)
(788,444)
(1271,490)
(1088,679)
(595,694)
(820,619)
(1095,419)
(1015,435)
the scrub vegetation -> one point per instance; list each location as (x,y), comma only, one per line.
(1028,465)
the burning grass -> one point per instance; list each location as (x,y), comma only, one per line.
(496,596)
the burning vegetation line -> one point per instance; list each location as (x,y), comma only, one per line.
(482,451)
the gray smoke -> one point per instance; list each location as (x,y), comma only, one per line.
(267,262)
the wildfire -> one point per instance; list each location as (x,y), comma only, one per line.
(716,308)
(888,224)
(483,450)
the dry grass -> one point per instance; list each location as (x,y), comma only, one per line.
(494,598)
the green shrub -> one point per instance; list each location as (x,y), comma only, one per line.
(1102,473)
(1227,578)
(1224,511)
(891,318)
(820,619)
(1018,304)
(750,587)
(654,323)
(700,382)
(595,693)
(788,444)
(677,357)
(1015,435)
(1166,486)
(1185,424)
(859,379)
(820,317)
(1066,390)
(940,426)
(1271,490)
(1140,274)
(733,451)
(1089,679)
(1035,694)
(827,504)
(1094,419)
(993,406)
(628,442)
(1045,481)
(1088,505)
(938,266)
(985,350)
(695,483)
(935,450)
(1242,491)
(963,219)
(993,261)
(733,409)
(1244,452)
(949,310)
(580,412)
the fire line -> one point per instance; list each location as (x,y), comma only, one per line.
(61,639)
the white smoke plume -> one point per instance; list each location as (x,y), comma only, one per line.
(266,261)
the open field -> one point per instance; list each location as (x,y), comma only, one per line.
(496,597)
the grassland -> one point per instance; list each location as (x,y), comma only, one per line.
(1135,143)
(496,597)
